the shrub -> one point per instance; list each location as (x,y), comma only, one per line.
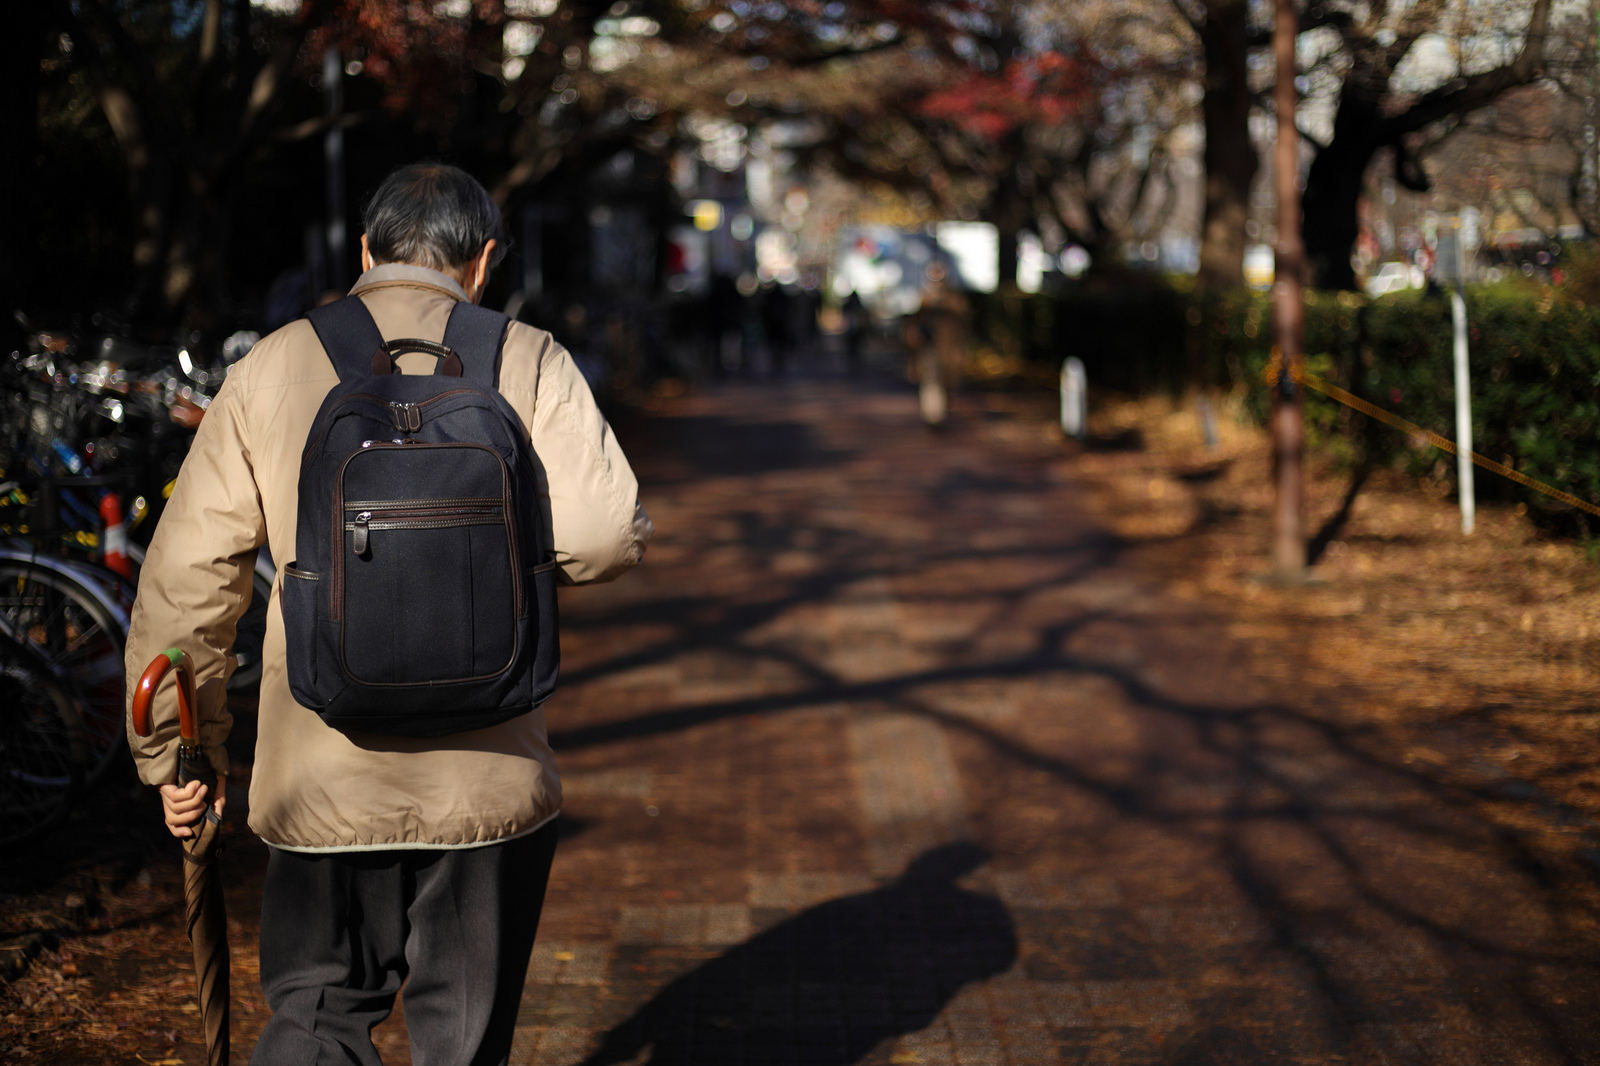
(1534,366)
(1126,335)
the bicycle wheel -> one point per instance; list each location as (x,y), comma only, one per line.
(41,745)
(81,640)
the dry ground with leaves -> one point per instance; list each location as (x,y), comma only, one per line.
(99,902)
(1421,631)
(1470,659)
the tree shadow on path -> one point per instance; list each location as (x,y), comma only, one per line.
(830,984)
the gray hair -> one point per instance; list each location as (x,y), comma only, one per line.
(432,215)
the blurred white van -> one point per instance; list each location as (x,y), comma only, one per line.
(1392,277)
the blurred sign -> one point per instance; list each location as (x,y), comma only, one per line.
(707,214)
(1450,269)
(885,266)
(1471,235)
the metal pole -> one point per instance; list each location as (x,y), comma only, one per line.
(333,151)
(1591,144)
(1288,313)
(1464,484)
(316,260)
(532,253)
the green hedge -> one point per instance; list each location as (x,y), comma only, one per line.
(1535,366)
(1127,336)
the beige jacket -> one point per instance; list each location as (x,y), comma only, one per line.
(314,788)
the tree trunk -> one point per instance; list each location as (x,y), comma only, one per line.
(1007,255)
(181,173)
(151,178)
(1010,207)
(21,48)
(1333,189)
(1230,156)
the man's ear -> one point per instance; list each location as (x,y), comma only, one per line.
(480,271)
(366,255)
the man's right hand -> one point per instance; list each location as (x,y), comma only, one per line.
(182,805)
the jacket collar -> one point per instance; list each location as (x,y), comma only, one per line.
(409,276)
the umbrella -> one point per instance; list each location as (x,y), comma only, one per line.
(206,917)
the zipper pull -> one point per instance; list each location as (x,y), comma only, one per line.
(359,541)
(407,416)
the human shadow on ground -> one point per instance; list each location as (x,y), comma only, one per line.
(830,984)
(1380,884)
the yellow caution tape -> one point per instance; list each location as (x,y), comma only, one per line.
(1327,388)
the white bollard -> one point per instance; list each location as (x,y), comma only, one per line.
(1074,398)
(1458,317)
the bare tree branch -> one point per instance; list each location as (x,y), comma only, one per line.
(1467,94)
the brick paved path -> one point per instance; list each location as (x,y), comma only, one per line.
(887,756)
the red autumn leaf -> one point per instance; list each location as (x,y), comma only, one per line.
(1045,89)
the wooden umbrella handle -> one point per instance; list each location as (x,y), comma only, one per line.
(146,691)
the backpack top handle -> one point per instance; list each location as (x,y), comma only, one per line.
(383,359)
(471,350)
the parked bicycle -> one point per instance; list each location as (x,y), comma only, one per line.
(41,743)
(92,431)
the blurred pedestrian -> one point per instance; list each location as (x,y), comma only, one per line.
(393,860)
(724,323)
(854,312)
(776,327)
(935,337)
(804,303)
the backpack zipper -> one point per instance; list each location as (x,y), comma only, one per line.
(401,505)
(336,569)
(407,416)
(420,517)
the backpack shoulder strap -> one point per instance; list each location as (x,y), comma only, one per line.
(348,335)
(476,335)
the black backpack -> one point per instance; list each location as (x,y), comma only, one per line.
(422,600)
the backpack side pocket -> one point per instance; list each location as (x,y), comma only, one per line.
(301,589)
(544,629)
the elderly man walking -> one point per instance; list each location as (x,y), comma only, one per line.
(393,859)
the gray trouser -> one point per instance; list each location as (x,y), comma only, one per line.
(340,933)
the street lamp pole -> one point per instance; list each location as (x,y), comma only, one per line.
(333,154)
(1288,314)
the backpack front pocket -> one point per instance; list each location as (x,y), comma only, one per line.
(431,590)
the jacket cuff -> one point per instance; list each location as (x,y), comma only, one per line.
(218,754)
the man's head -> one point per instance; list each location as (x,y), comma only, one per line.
(437,216)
